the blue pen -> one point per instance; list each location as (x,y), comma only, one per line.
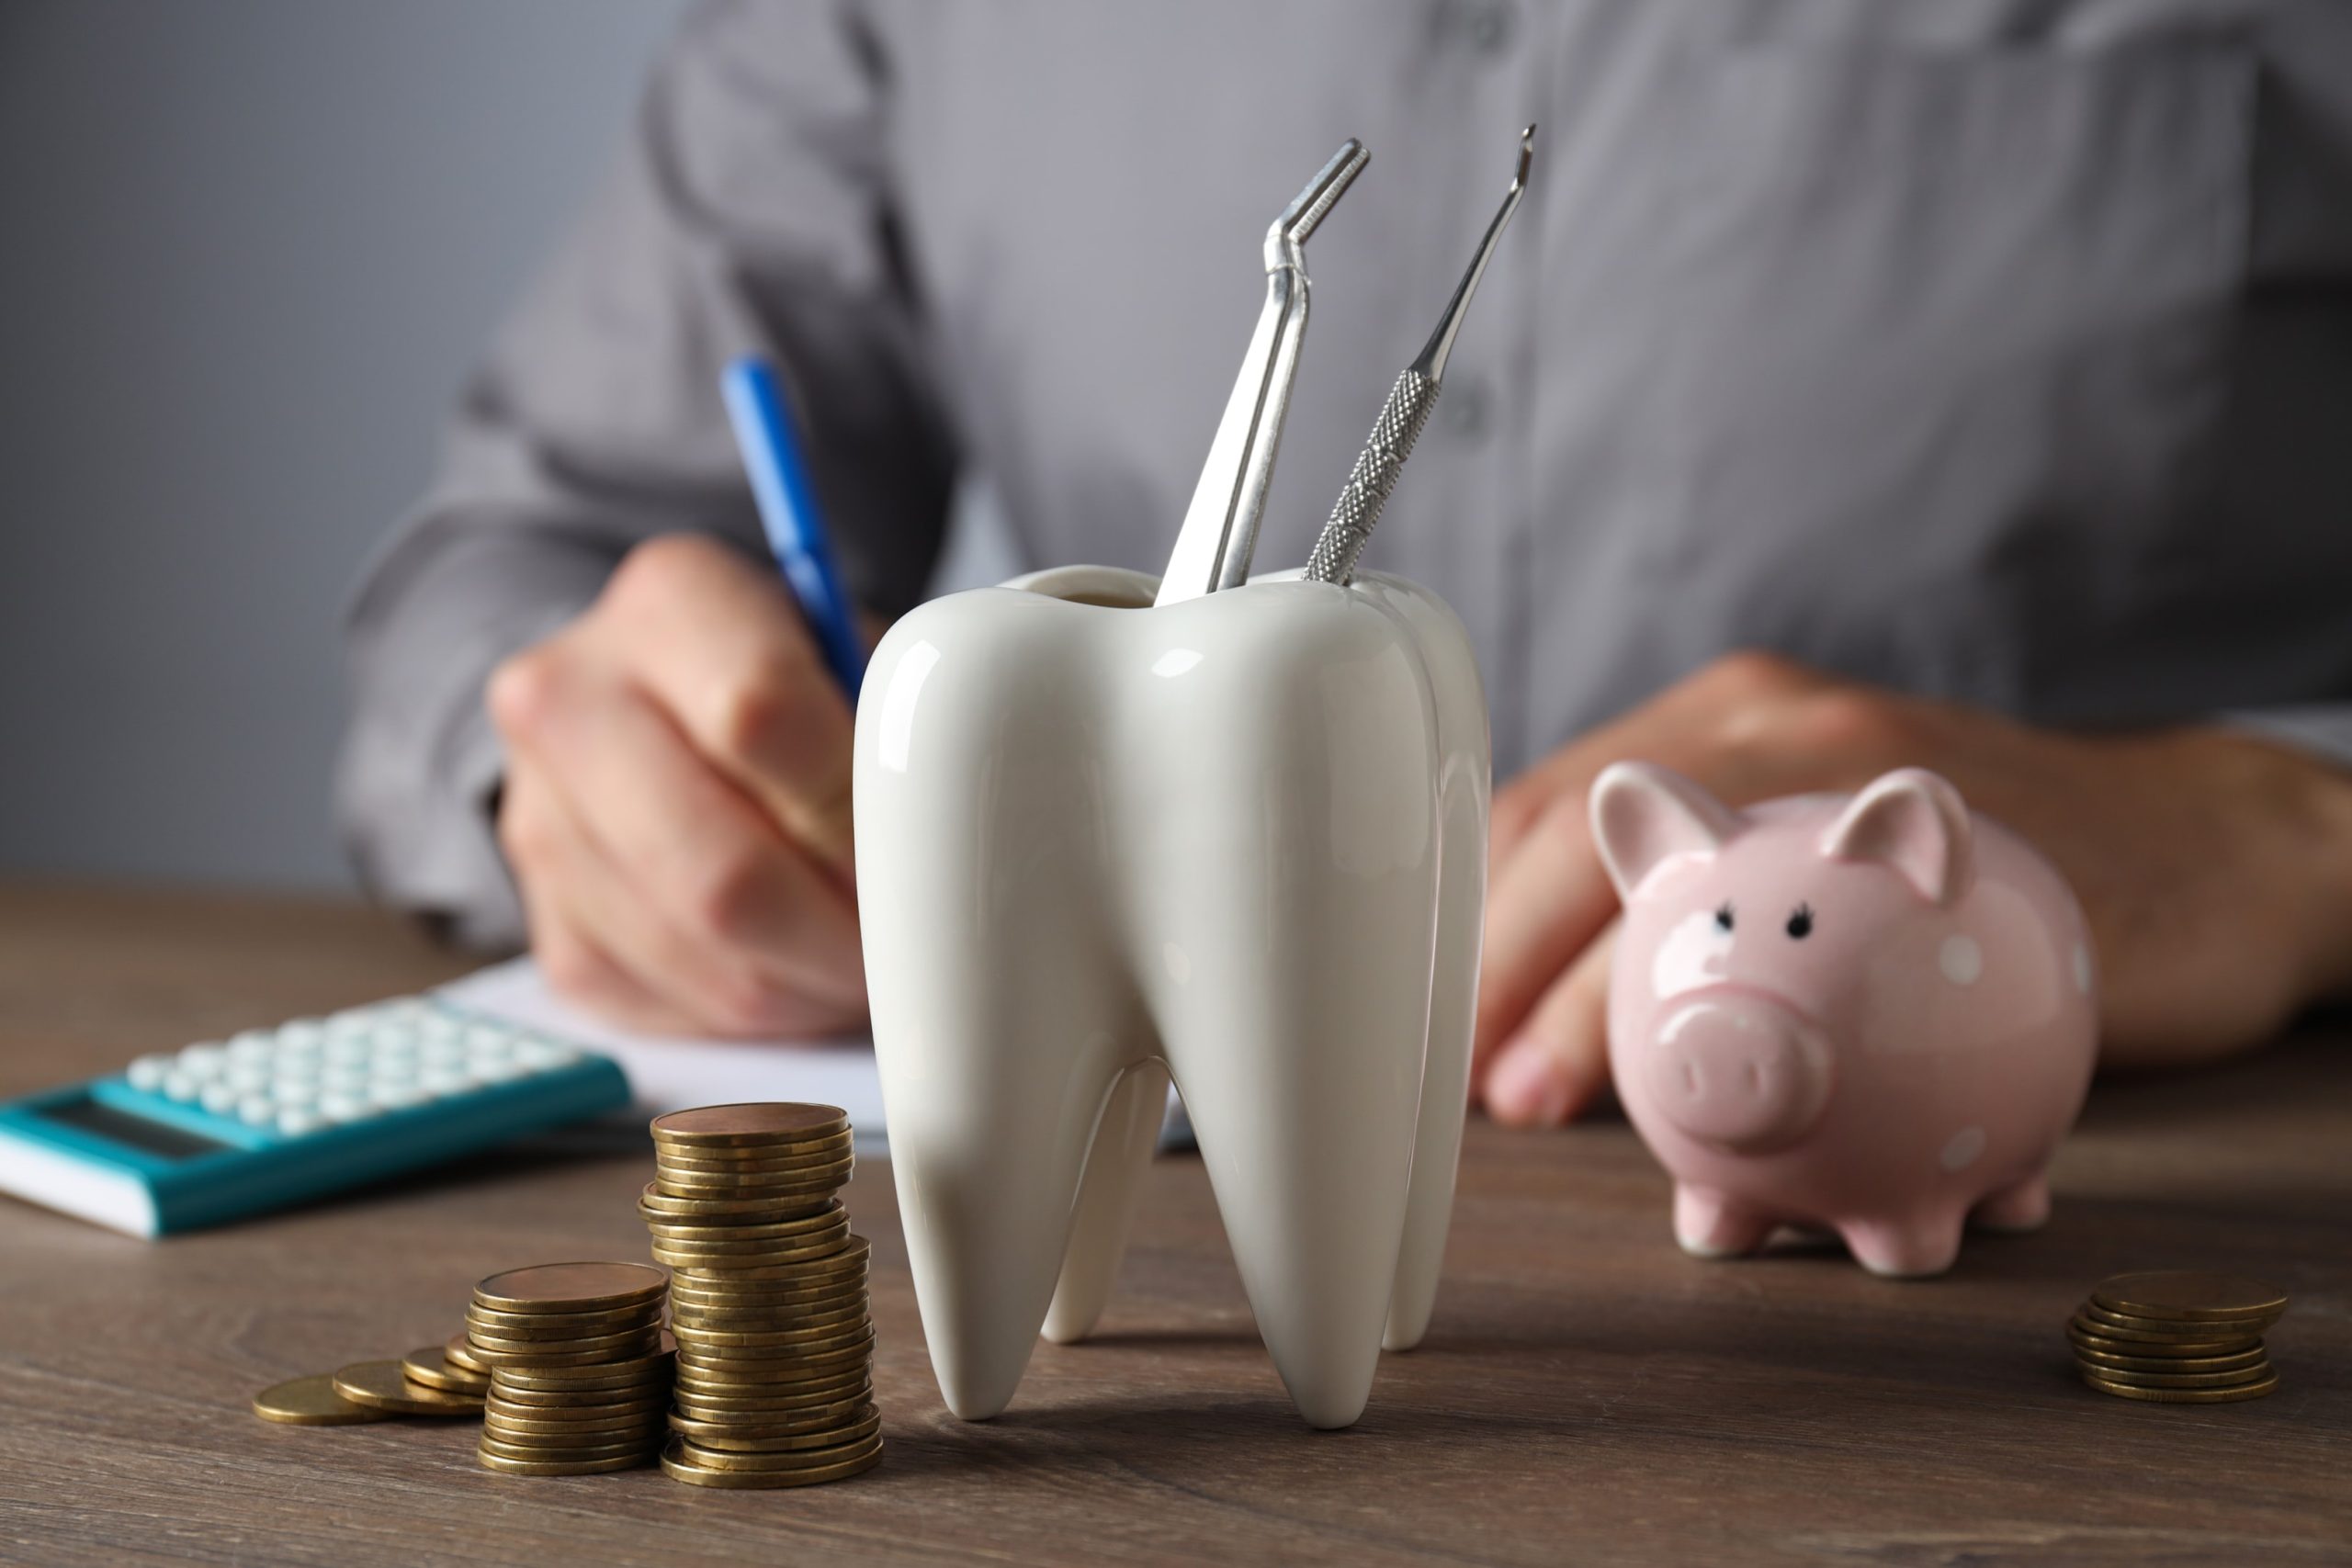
(796,528)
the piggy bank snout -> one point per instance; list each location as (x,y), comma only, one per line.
(1742,1073)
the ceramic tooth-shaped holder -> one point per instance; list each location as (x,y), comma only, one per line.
(1239,839)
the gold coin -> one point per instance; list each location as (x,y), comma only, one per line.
(2193,1295)
(743,1235)
(777,1148)
(571,1287)
(778,1402)
(627,1398)
(547,1435)
(723,1298)
(565,1352)
(678,1468)
(559,1325)
(381,1385)
(461,1355)
(2156,1350)
(2125,1363)
(700,1339)
(738,1126)
(710,1257)
(564,1466)
(786,1184)
(503,1360)
(312,1401)
(655,1206)
(2114,1334)
(527,1450)
(432,1367)
(826,1342)
(852,1309)
(851,1423)
(601,1374)
(844,1270)
(718,1372)
(773,1380)
(2163,1328)
(756,1163)
(507,1407)
(693,1452)
(2185,1395)
(2254,1373)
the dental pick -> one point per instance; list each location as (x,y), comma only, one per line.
(1406,409)
(1220,530)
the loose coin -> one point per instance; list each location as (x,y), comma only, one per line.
(735,1127)
(2191,1293)
(381,1385)
(432,1367)
(2168,1363)
(2185,1395)
(312,1401)
(571,1287)
(694,1453)
(461,1355)
(681,1469)
(565,1467)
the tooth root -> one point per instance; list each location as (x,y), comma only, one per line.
(993,1082)
(1445,1080)
(1302,1081)
(1124,1142)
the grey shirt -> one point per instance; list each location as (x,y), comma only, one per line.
(1996,350)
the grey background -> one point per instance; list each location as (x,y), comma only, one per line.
(247,250)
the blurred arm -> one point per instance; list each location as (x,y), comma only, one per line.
(748,211)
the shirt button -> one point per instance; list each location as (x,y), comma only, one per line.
(1467,410)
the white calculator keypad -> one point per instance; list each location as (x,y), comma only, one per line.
(314,1073)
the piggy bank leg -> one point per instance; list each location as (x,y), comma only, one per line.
(1123,1141)
(1708,1223)
(2024,1206)
(1915,1246)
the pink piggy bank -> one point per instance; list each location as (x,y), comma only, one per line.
(1873,1013)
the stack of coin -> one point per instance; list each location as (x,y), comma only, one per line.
(767,1297)
(579,1380)
(2179,1338)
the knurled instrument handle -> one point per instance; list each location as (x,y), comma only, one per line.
(1374,475)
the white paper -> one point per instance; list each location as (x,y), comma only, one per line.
(671,1074)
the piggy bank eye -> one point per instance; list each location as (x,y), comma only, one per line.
(1801,922)
(1723,917)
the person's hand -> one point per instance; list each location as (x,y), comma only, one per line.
(2216,870)
(676,809)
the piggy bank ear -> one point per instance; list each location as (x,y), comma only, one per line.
(1643,814)
(1913,822)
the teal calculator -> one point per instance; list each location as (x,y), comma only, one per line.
(229,1128)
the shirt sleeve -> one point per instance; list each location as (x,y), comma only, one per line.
(749,211)
(2320,730)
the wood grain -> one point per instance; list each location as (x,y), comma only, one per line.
(1587,1393)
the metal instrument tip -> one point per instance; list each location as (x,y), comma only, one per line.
(1526,158)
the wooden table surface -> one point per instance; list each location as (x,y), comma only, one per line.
(1587,1393)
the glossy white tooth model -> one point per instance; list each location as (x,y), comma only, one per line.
(1240,839)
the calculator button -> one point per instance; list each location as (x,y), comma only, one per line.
(257,1110)
(296,1120)
(148,1072)
(177,1085)
(218,1099)
(346,1107)
(246,1076)
(301,1031)
(251,1047)
(541,1054)
(349,1048)
(294,1091)
(446,1081)
(500,1072)
(438,1026)
(400,1096)
(206,1059)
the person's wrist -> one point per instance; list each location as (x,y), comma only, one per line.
(2303,805)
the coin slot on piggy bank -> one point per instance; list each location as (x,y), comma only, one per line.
(1875,1013)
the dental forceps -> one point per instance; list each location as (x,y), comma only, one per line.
(1406,409)
(1220,530)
